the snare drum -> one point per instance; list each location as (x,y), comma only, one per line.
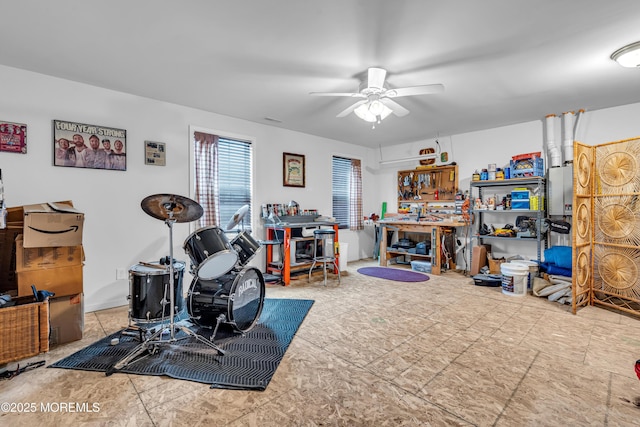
(239,296)
(149,292)
(210,253)
(246,247)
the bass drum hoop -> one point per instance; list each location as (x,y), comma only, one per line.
(232,295)
(227,307)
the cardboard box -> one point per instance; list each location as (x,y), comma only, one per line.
(494,265)
(52,224)
(66,318)
(24,330)
(478,259)
(62,281)
(48,257)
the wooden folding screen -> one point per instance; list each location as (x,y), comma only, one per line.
(606,232)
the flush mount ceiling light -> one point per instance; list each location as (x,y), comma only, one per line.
(628,56)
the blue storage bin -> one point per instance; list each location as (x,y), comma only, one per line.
(520,204)
(520,194)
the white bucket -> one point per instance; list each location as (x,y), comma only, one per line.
(533,269)
(514,279)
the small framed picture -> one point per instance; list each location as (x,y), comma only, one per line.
(293,170)
(155,153)
(13,137)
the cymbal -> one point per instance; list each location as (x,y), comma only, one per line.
(166,206)
(237,217)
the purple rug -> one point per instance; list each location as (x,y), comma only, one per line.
(396,274)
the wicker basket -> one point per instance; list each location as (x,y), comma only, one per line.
(24,331)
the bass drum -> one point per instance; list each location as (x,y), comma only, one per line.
(246,247)
(149,292)
(238,296)
(210,253)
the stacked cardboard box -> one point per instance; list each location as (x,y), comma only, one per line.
(47,254)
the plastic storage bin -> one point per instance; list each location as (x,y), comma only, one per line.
(520,199)
(421,266)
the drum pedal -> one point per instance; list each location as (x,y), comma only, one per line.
(220,319)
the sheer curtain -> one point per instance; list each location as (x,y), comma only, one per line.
(206,177)
(355,193)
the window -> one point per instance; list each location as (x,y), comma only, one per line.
(234,177)
(347,192)
(222,179)
(340,186)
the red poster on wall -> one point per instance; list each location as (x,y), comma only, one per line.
(13,137)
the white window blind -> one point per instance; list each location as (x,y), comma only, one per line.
(234,174)
(340,190)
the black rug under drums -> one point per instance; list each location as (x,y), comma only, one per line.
(248,364)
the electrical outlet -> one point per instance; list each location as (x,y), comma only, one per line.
(121,273)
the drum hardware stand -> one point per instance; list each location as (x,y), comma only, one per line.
(220,319)
(151,344)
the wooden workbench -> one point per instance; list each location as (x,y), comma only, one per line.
(433,229)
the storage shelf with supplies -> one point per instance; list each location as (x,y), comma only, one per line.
(533,230)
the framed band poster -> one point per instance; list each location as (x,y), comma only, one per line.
(293,170)
(13,137)
(78,145)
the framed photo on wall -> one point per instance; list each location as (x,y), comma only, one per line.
(79,145)
(155,153)
(13,137)
(293,170)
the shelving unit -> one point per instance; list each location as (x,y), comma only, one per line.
(476,190)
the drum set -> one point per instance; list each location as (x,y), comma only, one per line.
(224,290)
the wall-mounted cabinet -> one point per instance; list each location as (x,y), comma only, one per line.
(426,184)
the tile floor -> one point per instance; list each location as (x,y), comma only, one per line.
(374,352)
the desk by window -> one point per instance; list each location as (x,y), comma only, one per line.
(287,264)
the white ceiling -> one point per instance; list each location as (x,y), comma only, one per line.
(501,61)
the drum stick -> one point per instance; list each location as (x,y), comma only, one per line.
(148,264)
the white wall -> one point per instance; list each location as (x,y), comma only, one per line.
(475,150)
(118,233)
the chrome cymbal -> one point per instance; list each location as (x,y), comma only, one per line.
(171,206)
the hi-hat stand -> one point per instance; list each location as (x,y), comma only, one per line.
(152,344)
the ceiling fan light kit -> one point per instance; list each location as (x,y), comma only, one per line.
(373,111)
(377,103)
(628,56)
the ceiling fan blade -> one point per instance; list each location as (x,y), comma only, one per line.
(349,94)
(348,110)
(375,78)
(397,109)
(414,90)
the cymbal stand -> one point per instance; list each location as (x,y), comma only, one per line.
(154,341)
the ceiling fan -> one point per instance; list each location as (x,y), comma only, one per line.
(377,102)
